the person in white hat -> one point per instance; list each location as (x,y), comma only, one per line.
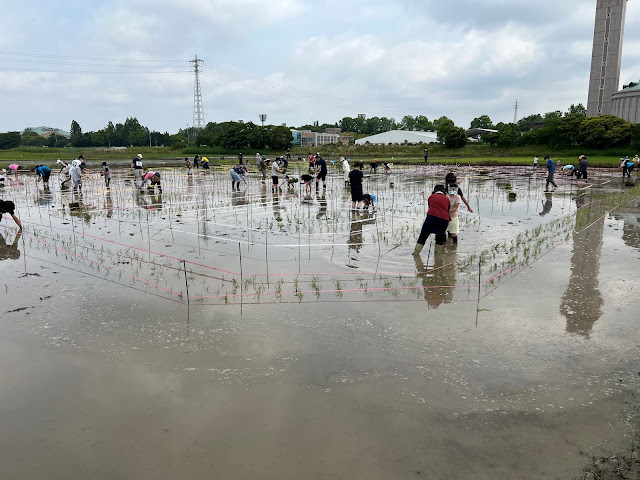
(136,164)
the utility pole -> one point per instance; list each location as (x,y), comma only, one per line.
(198,109)
(515,115)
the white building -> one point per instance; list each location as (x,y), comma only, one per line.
(399,137)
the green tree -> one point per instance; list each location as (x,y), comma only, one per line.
(32,139)
(279,138)
(508,134)
(9,140)
(605,131)
(408,123)
(443,126)
(635,137)
(578,110)
(76,133)
(423,124)
(482,121)
(456,138)
(525,124)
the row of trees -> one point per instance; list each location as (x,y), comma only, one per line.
(572,128)
(239,136)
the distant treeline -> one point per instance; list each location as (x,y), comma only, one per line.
(554,130)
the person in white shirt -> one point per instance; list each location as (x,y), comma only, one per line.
(346,169)
(275,170)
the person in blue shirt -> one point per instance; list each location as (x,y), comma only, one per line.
(551,170)
(582,168)
(321,168)
(43,173)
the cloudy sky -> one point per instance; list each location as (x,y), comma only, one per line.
(295,60)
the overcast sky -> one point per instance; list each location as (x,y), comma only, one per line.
(295,60)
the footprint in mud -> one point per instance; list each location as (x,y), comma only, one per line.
(29,274)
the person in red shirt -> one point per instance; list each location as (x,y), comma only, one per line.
(437,219)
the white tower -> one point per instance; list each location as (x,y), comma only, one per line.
(608,35)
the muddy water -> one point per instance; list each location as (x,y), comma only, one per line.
(311,343)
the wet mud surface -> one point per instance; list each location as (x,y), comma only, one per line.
(203,332)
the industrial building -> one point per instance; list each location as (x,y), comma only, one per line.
(626,103)
(399,137)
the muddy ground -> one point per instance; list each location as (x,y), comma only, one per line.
(198,331)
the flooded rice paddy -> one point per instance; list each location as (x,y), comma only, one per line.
(201,332)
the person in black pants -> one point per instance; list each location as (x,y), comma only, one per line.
(355,180)
(10,208)
(437,219)
(426,156)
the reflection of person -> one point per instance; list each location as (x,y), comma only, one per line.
(9,252)
(439,281)
(546,205)
(437,219)
(239,199)
(355,229)
(10,208)
(355,180)
(323,207)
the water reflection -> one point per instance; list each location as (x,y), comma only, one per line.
(631,228)
(582,301)
(547,203)
(438,280)
(358,220)
(9,251)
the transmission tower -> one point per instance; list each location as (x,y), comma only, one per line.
(515,115)
(198,109)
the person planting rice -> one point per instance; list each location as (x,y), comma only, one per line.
(64,173)
(75,172)
(262,166)
(106,174)
(205,163)
(13,168)
(387,168)
(136,164)
(237,176)
(307,181)
(321,168)
(373,167)
(355,180)
(275,172)
(153,179)
(345,169)
(453,229)
(43,172)
(569,170)
(451,179)
(582,168)
(437,219)
(289,181)
(10,208)
(196,161)
(189,165)
(369,200)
